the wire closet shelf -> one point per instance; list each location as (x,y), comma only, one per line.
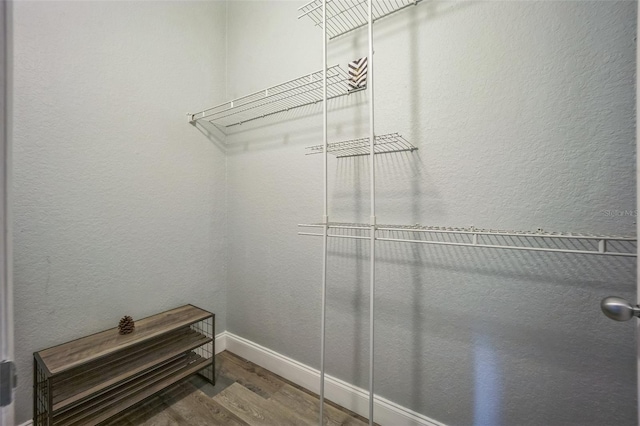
(344,16)
(292,94)
(383,144)
(488,238)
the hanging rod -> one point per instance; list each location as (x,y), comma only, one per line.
(384,144)
(292,94)
(488,238)
(345,16)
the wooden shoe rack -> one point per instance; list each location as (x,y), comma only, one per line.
(87,381)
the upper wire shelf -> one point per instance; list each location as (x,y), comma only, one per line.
(472,237)
(294,93)
(383,144)
(344,16)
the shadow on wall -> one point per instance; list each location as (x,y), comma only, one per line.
(393,171)
(511,315)
(417,288)
(212,133)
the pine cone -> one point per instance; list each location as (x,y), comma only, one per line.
(126,325)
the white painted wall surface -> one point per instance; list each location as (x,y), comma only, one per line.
(7,412)
(119,204)
(523,113)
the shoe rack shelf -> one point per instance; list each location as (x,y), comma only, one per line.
(89,380)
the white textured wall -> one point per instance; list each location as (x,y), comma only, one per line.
(119,204)
(523,113)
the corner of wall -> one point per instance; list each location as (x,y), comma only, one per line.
(226,165)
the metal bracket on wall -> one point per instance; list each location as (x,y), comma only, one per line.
(8,381)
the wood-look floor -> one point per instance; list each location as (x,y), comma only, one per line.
(244,394)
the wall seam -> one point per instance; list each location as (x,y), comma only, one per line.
(226,171)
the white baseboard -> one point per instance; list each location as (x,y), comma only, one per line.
(351,397)
(220,342)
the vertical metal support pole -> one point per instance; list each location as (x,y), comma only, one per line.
(325,217)
(35,393)
(213,350)
(372,171)
(49,402)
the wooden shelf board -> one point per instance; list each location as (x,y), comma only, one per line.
(94,382)
(115,394)
(111,361)
(94,411)
(91,348)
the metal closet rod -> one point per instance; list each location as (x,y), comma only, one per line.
(603,246)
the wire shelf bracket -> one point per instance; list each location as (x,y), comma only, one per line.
(344,16)
(539,240)
(383,144)
(292,94)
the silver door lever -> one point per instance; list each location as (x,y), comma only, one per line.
(619,309)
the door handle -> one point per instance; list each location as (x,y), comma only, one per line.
(619,309)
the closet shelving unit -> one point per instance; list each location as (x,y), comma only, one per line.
(336,18)
(296,93)
(339,17)
(489,238)
(384,144)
